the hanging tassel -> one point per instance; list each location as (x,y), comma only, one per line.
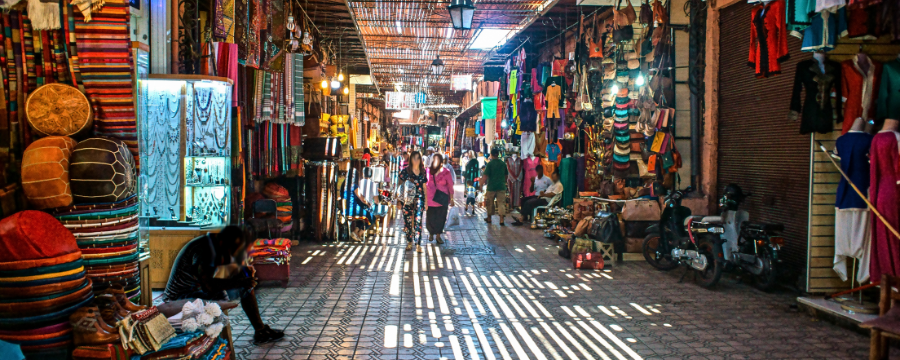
(84,6)
(44,15)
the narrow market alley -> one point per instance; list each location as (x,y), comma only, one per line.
(493,292)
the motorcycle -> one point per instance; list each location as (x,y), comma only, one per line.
(679,239)
(751,247)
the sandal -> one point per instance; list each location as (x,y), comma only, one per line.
(266,335)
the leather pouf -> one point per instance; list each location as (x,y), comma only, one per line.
(34,235)
(45,172)
(101,170)
(58,109)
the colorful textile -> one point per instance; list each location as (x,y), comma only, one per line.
(107,69)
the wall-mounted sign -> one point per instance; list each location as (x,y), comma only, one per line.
(400,100)
(461,82)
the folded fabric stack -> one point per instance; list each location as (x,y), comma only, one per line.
(270,251)
(146,331)
(42,282)
(107,234)
(283,202)
(188,345)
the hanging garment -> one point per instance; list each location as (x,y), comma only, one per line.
(553,100)
(818,114)
(883,194)
(860,89)
(527,116)
(530,165)
(514,178)
(549,167)
(852,226)
(580,172)
(891,19)
(513,81)
(567,168)
(799,16)
(768,38)
(559,67)
(864,4)
(864,23)
(527,145)
(888,105)
(825,30)
(553,151)
(540,145)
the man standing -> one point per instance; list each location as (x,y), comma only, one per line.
(495,177)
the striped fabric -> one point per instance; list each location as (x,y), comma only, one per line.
(106,68)
(299,110)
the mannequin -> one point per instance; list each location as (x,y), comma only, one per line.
(852,221)
(530,164)
(884,194)
(820,58)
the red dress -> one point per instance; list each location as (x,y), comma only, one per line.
(768,38)
(883,194)
(861,90)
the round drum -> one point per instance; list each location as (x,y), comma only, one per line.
(101,170)
(45,172)
(58,109)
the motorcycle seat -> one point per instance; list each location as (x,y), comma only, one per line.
(712,219)
(766,227)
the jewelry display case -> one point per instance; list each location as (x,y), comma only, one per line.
(185,135)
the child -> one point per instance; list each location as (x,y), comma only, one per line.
(471,195)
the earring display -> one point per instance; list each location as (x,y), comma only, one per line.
(185,130)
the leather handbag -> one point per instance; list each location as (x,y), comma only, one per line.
(641,210)
(605,228)
(583,226)
(595,49)
(582,208)
(581,245)
(586,104)
(441,197)
(646,13)
(588,261)
(626,16)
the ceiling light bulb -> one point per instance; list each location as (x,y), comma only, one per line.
(615,89)
(324,84)
(346,90)
(640,80)
(335,84)
(341,76)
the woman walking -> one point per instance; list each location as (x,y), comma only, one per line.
(472,168)
(440,196)
(412,211)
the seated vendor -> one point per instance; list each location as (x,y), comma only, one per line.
(210,267)
(366,192)
(543,196)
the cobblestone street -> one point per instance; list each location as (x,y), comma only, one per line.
(493,292)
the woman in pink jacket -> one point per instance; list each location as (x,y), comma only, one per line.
(439,196)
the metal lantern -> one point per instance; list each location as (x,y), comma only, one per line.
(461,13)
(437,66)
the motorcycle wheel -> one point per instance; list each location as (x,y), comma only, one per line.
(650,249)
(710,277)
(765,280)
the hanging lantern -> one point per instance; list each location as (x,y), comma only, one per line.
(437,66)
(346,90)
(335,84)
(461,14)
(341,76)
(640,80)
(324,84)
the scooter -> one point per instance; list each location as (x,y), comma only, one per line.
(680,239)
(751,247)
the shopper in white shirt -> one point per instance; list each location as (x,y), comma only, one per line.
(365,192)
(544,196)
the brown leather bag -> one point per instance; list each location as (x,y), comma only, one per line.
(641,210)
(626,16)
(646,13)
(583,226)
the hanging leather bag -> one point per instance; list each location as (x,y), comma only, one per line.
(646,13)
(585,93)
(583,226)
(622,20)
(641,210)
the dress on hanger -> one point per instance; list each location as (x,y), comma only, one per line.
(860,89)
(817,113)
(514,180)
(888,106)
(530,165)
(883,194)
(768,38)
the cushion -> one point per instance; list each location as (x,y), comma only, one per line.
(34,235)
(45,172)
(42,290)
(58,109)
(101,170)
